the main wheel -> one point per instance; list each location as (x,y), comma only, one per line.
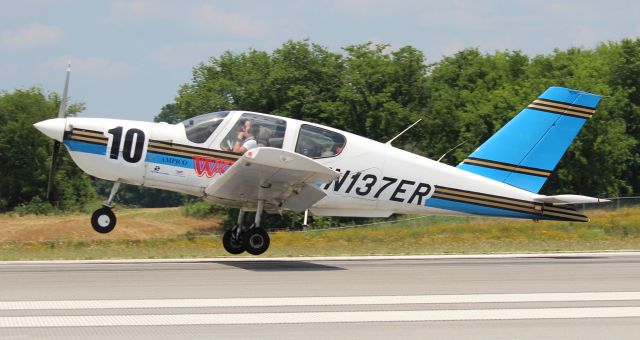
(232,244)
(256,241)
(103,220)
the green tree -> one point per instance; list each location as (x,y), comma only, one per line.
(625,79)
(25,153)
(232,81)
(304,82)
(382,91)
(168,114)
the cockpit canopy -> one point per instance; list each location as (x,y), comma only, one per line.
(265,130)
(199,128)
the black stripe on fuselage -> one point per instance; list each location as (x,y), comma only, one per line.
(502,202)
(86,136)
(187,151)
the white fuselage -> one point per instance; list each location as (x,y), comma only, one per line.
(377,179)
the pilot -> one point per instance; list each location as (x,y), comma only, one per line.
(246,139)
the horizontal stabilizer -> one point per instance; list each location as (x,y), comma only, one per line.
(569,199)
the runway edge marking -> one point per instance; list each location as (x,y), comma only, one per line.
(318,301)
(336,258)
(316,317)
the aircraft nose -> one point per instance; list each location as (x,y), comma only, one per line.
(52,128)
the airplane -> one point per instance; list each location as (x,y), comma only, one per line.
(270,164)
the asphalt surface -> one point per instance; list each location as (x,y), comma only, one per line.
(554,296)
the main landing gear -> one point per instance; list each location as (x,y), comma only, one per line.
(255,240)
(103,220)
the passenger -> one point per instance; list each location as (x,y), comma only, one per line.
(328,153)
(246,139)
(333,151)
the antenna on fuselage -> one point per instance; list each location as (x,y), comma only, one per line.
(453,148)
(403,131)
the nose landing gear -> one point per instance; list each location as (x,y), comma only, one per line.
(104,220)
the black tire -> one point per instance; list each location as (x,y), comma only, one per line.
(103,220)
(256,241)
(231,244)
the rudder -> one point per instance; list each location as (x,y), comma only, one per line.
(527,149)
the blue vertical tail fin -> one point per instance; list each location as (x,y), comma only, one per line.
(527,149)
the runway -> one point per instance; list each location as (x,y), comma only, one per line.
(524,296)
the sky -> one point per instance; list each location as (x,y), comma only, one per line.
(129,58)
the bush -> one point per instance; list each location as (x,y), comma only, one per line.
(202,209)
(35,207)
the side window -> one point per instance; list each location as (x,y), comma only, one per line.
(199,128)
(253,131)
(315,142)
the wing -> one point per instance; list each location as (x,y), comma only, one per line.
(282,179)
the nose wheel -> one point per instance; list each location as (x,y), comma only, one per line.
(104,220)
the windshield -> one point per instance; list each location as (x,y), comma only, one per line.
(199,128)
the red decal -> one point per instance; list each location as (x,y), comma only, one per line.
(205,166)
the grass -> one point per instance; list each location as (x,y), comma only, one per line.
(165,233)
(133,224)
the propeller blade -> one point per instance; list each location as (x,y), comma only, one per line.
(62,112)
(52,169)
